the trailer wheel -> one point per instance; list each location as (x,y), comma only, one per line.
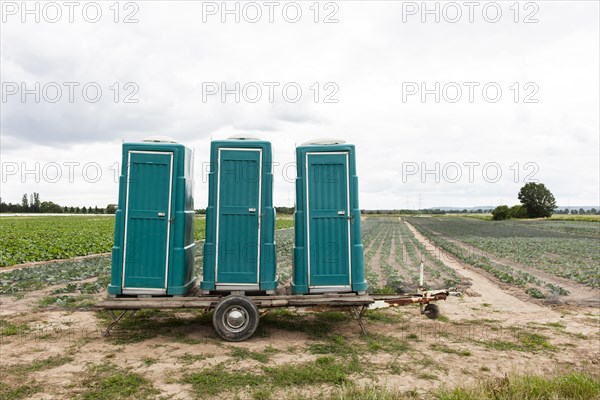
(235,318)
(432,311)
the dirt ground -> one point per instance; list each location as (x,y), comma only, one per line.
(489,332)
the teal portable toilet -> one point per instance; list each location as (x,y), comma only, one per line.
(239,248)
(154,248)
(328,251)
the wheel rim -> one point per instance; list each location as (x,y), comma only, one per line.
(235,319)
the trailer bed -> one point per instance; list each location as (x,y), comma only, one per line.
(357,304)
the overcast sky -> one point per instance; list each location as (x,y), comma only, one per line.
(455,112)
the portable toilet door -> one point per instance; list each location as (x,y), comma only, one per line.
(154,244)
(239,249)
(328,253)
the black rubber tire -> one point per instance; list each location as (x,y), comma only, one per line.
(241,305)
(432,311)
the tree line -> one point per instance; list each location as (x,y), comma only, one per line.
(33,204)
(537,201)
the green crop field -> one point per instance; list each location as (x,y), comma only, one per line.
(568,249)
(393,256)
(26,239)
(40,238)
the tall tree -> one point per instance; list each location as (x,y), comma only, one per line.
(36,202)
(25,203)
(537,199)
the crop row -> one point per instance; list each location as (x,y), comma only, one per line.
(393,257)
(570,253)
(533,286)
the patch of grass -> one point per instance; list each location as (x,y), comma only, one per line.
(579,335)
(525,341)
(557,325)
(188,358)
(243,353)
(385,290)
(534,341)
(377,342)
(148,361)
(356,392)
(284,223)
(8,328)
(427,376)
(39,365)
(573,385)
(262,393)
(218,380)
(147,324)
(412,336)
(324,370)
(67,301)
(390,317)
(425,362)
(316,326)
(448,350)
(442,318)
(337,344)
(183,338)
(107,381)
(396,368)
(16,392)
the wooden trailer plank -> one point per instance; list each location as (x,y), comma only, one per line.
(333,300)
(210,302)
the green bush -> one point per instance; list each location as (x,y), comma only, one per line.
(500,213)
(518,211)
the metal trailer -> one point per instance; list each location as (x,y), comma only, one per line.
(236,316)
